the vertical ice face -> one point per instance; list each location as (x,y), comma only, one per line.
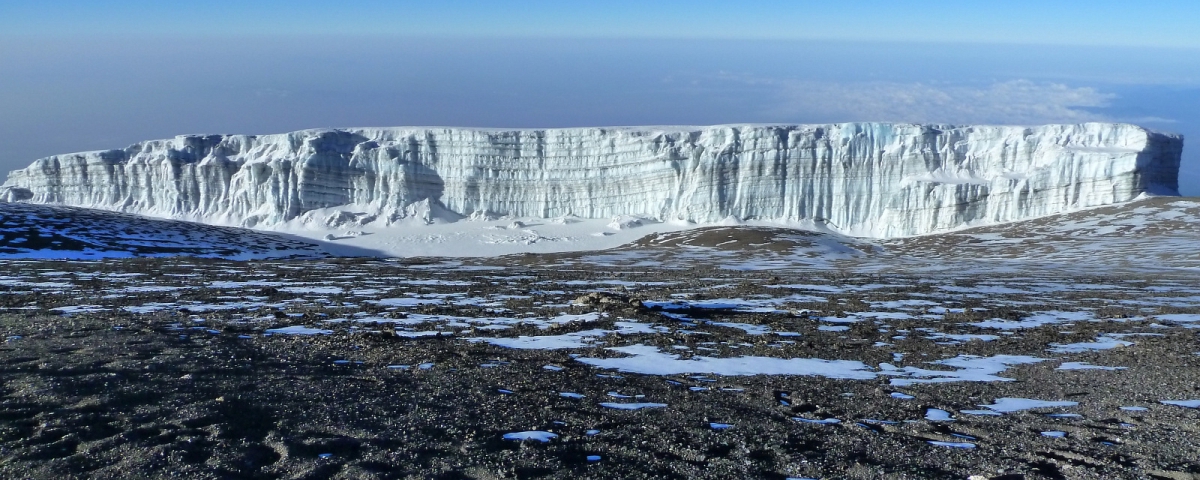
(871,179)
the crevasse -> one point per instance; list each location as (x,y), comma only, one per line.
(868,179)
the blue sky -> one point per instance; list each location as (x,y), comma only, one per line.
(1095,22)
(83,75)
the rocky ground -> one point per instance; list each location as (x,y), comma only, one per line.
(419,369)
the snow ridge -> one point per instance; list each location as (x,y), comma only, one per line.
(868,179)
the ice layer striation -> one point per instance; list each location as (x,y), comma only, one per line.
(868,179)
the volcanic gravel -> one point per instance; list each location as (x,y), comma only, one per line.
(165,368)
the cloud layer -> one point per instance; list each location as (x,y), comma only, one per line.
(1008,102)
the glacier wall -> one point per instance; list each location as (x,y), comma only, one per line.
(868,179)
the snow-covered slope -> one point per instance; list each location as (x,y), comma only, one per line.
(56,232)
(1152,234)
(869,179)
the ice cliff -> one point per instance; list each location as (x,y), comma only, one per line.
(869,179)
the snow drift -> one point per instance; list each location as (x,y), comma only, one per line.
(869,179)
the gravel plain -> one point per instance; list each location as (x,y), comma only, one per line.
(420,368)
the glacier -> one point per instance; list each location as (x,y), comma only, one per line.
(879,180)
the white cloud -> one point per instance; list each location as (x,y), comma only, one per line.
(1150,119)
(1009,102)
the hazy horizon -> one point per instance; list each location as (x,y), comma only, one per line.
(81,77)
